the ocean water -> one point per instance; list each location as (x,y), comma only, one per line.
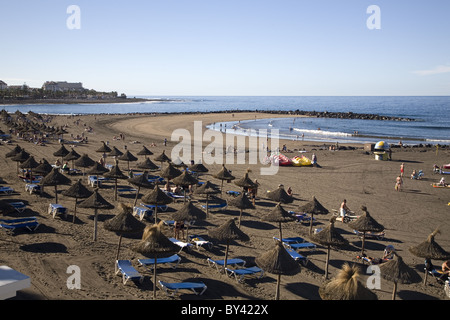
(431,115)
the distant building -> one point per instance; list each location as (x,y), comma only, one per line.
(62,86)
(3,85)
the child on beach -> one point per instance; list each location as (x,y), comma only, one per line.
(398,183)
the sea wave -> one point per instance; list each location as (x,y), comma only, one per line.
(323,132)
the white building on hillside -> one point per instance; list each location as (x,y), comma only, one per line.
(3,85)
(62,86)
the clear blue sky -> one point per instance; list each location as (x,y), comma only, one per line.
(228,47)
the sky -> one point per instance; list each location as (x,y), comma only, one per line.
(230,48)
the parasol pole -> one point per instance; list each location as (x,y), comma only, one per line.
(154,277)
(277,292)
(95,224)
(326,263)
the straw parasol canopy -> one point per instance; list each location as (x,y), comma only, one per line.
(20,157)
(61,152)
(207,189)
(128,157)
(55,178)
(241,202)
(185,179)
(313,207)
(396,270)
(280,215)
(162,158)
(147,164)
(115,152)
(97,170)
(115,174)
(145,152)
(170,172)
(71,156)
(13,152)
(429,249)
(223,174)
(228,232)
(77,191)
(329,237)
(198,167)
(155,244)
(140,181)
(156,197)
(346,286)
(189,212)
(245,181)
(31,164)
(43,168)
(96,201)
(84,162)
(280,195)
(278,261)
(124,223)
(365,223)
(104,148)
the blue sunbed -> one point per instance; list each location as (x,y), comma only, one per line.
(197,287)
(128,272)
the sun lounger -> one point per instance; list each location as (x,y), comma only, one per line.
(182,244)
(127,271)
(12,281)
(200,242)
(219,206)
(126,190)
(438,275)
(151,207)
(141,212)
(173,261)
(6,190)
(447,288)
(302,217)
(31,188)
(54,209)
(11,225)
(19,206)
(369,234)
(172,288)
(155,179)
(297,256)
(240,274)
(233,193)
(297,243)
(176,197)
(94,182)
(219,264)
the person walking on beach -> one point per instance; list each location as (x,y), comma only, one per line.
(402,169)
(399,183)
(344,209)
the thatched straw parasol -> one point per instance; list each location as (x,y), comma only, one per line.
(313,207)
(280,195)
(162,158)
(96,201)
(228,232)
(104,148)
(245,181)
(207,189)
(147,164)
(198,167)
(155,244)
(241,202)
(77,191)
(61,152)
(20,157)
(140,181)
(43,168)
(124,223)
(329,237)
(280,215)
(189,212)
(72,156)
(128,157)
(156,197)
(84,162)
(278,261)
(13,152)
(429,249)
(364,224)
(115,174)
(223,174)
(115,152)
(170,172)
(396,270)
(144,152)
(31,164)
(55,178)
(185,179)
(346,286)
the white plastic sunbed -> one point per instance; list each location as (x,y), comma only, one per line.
(182,244)
(127,271)
(12,281)
(200,242)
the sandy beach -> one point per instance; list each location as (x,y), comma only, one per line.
(408,216)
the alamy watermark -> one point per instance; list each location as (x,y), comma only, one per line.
(73,22)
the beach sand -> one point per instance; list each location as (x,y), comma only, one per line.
(45,255)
